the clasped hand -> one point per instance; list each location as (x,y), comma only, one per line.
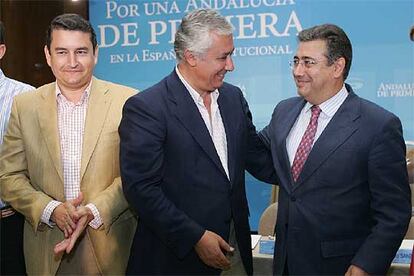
(72,219)
(354,270)
(210,249)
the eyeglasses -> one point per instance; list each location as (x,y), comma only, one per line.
(307,63)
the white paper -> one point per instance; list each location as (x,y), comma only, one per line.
(407,244)
(255,240)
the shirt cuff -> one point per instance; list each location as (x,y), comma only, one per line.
(47,212)
(97,221)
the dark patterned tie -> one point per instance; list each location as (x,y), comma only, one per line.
(305,145)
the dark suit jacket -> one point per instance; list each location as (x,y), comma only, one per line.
(351,203)
(173,178)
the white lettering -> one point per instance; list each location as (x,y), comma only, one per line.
(157,8)
(116,58)
(121,11)
(155,32)
(128,34)
(103,34)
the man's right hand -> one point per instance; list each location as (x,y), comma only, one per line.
(84,216)
(63,215)
(210,250)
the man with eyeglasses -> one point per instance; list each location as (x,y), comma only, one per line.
(344,199)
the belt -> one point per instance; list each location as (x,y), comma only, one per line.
(7,211)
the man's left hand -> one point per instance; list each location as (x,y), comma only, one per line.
(84,216)
(353,270)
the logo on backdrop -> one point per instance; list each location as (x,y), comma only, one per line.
(143,31)
(355,83)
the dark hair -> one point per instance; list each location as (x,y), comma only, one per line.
(2,33)
(70,22)
(337,43)
(412,33)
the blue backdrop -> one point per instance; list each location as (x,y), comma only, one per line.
(135,39)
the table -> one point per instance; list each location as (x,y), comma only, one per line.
(263,263)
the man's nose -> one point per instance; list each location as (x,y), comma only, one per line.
(299,69)
(73,61)
(229,64)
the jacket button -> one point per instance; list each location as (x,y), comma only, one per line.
(293,198)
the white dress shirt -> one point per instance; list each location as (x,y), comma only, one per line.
(329,108)
(214,123)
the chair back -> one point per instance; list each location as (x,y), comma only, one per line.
(268,220)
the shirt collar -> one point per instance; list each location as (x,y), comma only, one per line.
(85,94)
(330,106)
(2,78)
(194,94)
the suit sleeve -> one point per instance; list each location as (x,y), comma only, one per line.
(143,130)
(390,200)
(265,133)
(15,185)
(111,203)
(259,158)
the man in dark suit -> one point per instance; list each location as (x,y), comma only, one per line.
(344,200)
(185,143)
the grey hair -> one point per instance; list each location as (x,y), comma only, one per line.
(337,43)
(194,33)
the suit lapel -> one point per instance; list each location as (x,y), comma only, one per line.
(187,113)
(231,123)
(284,129)
(47,114)
(340,128)
(98,106)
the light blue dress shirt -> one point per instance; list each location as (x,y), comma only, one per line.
(8,89)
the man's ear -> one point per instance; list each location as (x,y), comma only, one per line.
(2,50)
(96,54)
(339,67)
(190,57)
(47,55)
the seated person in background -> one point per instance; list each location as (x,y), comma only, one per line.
(410,164)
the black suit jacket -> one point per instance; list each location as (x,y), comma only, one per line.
(351,203)
(173,177)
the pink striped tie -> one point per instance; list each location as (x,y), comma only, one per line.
(305,145)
